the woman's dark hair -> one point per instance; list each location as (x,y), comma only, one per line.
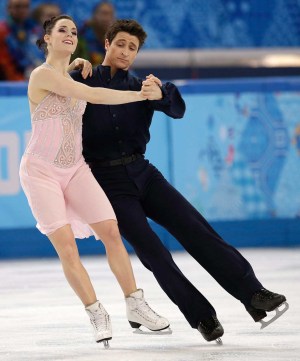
(131,27)
(48,26)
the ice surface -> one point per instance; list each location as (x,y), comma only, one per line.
(42,319)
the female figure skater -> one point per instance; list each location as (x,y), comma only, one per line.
(61,190)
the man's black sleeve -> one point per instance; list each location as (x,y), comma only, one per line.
(171,103)
(76,75)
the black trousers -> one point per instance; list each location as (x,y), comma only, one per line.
(138,190)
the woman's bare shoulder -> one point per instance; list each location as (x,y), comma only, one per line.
(40,70)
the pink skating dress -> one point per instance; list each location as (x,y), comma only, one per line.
(59,185)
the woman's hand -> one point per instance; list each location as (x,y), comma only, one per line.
(83,64)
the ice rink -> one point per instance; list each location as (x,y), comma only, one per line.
(41,319)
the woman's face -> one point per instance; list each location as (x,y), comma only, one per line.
(63,37)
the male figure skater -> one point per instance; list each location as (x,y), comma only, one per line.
(114,143)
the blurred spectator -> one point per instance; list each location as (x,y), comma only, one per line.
(18,34)
(92,34)
(44,12)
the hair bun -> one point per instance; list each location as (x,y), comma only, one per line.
(46,23)
(40,43)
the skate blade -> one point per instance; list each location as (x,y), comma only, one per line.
(279,313)
(166,331)
(219,341)
(106,344)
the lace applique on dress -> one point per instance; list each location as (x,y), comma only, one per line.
(57,130)
(72,127)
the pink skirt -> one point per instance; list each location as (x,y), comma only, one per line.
(60,196)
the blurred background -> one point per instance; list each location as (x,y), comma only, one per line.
(236,154)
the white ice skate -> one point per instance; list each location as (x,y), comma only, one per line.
(100,322)
(139,314)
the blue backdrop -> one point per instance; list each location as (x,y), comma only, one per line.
(235,156)
(203,23)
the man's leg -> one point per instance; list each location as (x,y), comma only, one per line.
(166,206)
(233,272)
(134,227)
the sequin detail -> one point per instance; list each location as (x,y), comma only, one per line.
(57,130)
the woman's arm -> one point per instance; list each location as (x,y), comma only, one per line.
(51,80)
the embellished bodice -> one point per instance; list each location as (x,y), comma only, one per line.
(57,130)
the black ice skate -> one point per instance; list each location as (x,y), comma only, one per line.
(211,329)
(256,314)
(264,300)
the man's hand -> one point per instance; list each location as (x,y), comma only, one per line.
(157,81)
(84,65)
(151,88)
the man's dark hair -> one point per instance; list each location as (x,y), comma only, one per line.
(130,26)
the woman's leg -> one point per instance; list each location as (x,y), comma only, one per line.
(138,311)
(117,255)
(64,243)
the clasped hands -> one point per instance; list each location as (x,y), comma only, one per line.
(151,88)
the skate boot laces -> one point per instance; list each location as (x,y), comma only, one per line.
(267,300)
(100,319)
(264,294)
(101,323)
(210,324)
(143,308)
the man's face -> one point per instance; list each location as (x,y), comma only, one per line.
(120,54)
(19,10)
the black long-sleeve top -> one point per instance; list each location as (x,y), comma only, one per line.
(114,131)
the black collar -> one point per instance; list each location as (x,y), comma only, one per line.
(104,71)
